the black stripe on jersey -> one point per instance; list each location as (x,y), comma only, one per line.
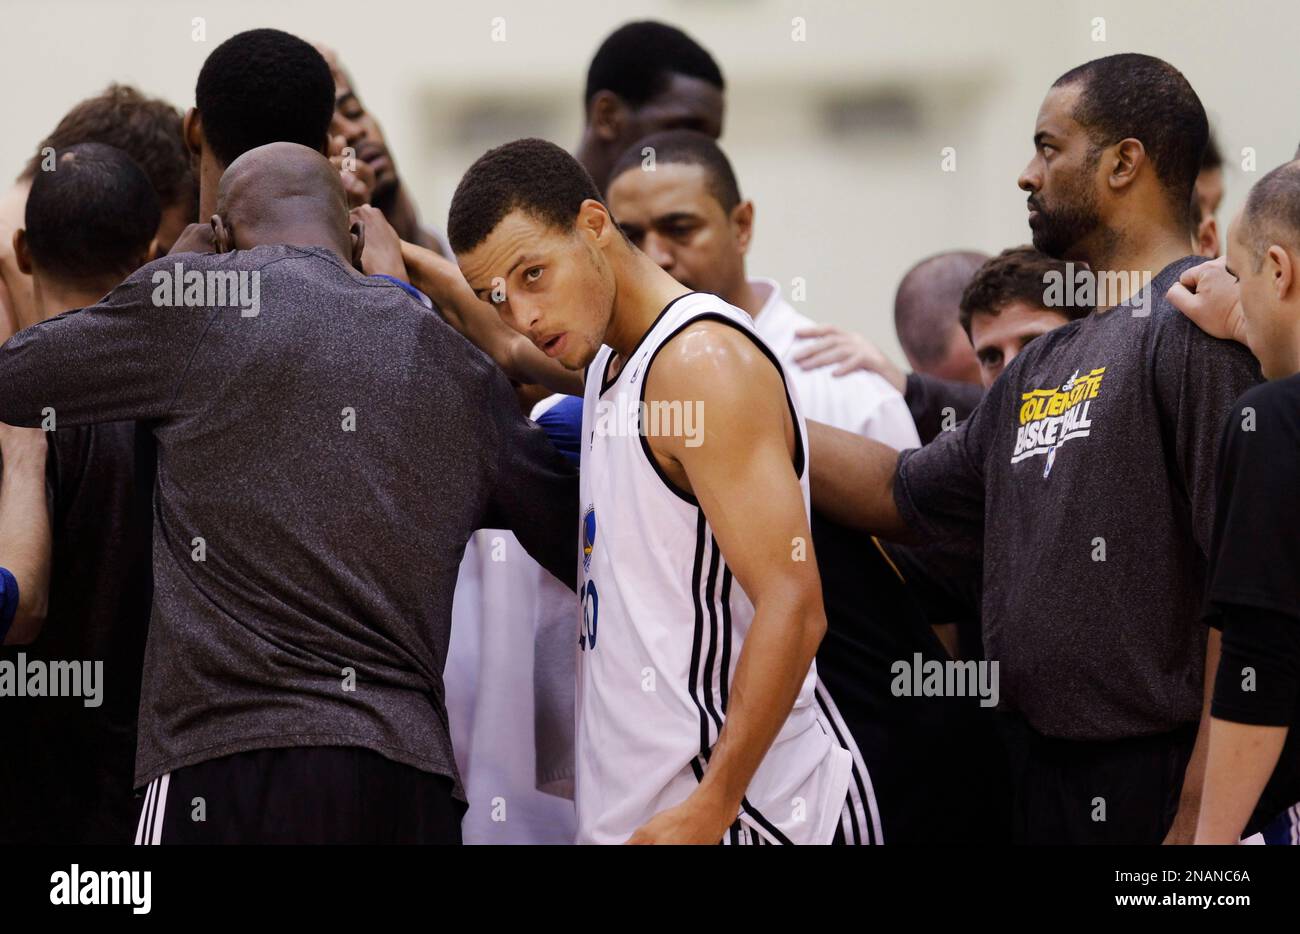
(706,685)
(724,681)
(764,822)
(697,645)
(857,778)
(605,381)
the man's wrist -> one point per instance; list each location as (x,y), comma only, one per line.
(25,456)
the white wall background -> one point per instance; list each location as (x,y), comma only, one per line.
(847,209)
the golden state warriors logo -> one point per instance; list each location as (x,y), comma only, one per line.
(1051,417)
(588,536)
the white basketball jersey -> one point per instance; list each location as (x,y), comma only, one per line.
(663,624)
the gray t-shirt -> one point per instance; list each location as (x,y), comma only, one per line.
(321,466)
(1086,480)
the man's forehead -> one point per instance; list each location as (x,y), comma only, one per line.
(1056,115)
(516,235)
(669,183)
(687,99)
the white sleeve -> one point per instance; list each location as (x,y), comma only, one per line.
(890,422)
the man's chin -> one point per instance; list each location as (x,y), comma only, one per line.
(385,189)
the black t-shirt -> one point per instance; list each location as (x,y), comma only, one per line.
(935,763)
(1254,580)
(66,771)
(936,404)
(1086,476)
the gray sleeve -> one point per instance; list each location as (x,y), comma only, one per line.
(939,489)
(118,360)
(1198,378)
(535,491)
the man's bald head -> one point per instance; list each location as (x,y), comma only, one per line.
(282,193)
(927,309)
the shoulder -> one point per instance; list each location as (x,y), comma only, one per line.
(711,353)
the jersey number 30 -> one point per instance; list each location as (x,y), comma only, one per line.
(590,610)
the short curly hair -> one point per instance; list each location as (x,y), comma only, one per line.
(1146,98)
(532,175)
(145,128)
(264,86)
(637,60)
(686,147)
(1015,274)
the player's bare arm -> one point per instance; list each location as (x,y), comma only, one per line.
(25,527)
(1240,762)
(852,481)
(481,325)
(741,470)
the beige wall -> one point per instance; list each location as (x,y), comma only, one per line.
(846,210)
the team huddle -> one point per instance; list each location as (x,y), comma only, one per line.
(322,525)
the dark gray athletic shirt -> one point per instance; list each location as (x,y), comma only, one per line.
(321,465)
(1087,477)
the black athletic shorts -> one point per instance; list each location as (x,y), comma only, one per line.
(300,794)
(1121,791)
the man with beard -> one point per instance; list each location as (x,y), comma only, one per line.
(1085,479)
(356,127)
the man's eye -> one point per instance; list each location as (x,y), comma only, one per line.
(532,275)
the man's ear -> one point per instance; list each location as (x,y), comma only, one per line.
(192,131)
(609,116)
(358,234)
(1281,270)
(223,236)
(1126,160)
(1207,238)
(21,252)
(742,221)
(594,219)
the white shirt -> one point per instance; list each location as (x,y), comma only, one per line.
(507,737)
(861,402)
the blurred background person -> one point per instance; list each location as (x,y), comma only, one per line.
(1206,200)
(146,129)
(89,224)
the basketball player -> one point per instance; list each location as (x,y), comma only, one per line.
(702,611)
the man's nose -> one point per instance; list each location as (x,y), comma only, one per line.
(351,130)
(1029,179)
(659,251)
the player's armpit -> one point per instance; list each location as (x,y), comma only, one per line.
(740,468)
(852,481)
